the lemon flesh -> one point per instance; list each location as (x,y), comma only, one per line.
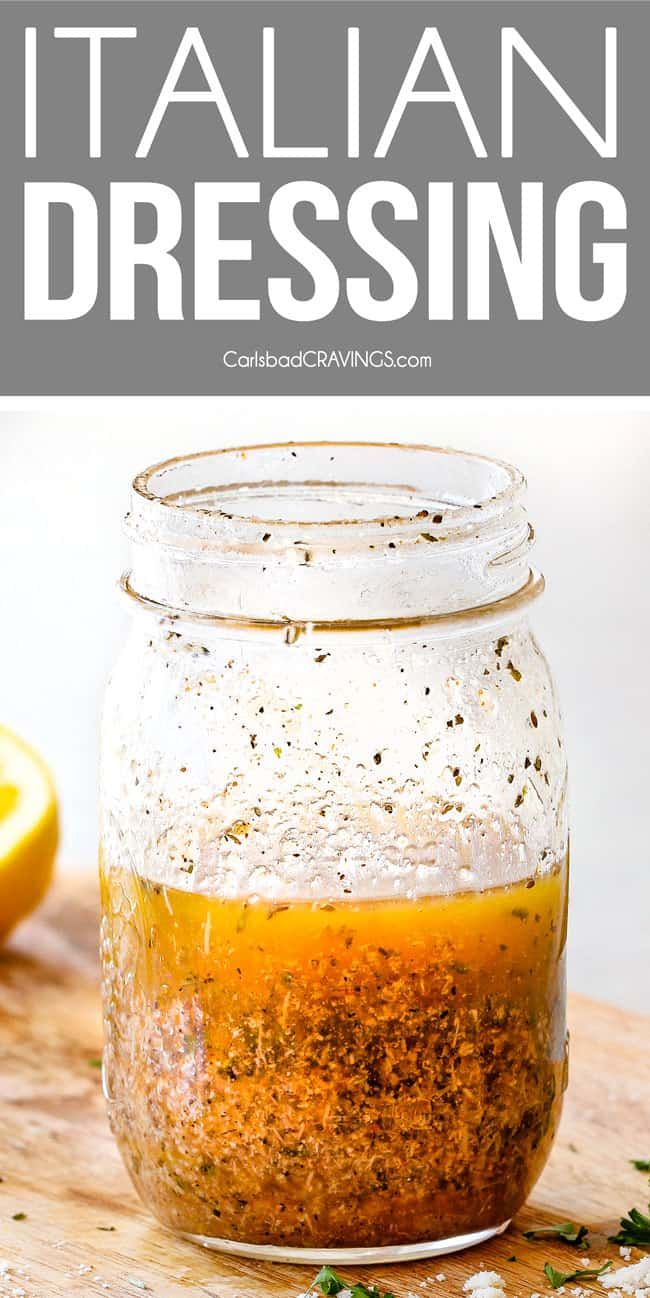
(28,830)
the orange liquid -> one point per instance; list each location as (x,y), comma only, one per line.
(351,1074)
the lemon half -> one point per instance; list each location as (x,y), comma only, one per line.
(28,830)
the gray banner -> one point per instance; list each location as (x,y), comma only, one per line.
(531,290)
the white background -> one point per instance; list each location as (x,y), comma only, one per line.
(64,481)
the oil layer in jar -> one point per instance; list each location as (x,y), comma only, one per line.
(349,1074)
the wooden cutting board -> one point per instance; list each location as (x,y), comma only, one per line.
(85,1232)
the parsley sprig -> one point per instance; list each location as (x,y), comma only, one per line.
(329,1282)
(557,1278)
(567,1231)
(635,1229)
(641,1164)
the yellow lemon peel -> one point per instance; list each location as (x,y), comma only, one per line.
(28,830)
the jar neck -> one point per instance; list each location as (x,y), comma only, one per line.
(328,533)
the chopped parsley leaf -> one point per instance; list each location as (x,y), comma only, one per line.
(329,1282)
(635,1229)
(557,1278)
(567,1231)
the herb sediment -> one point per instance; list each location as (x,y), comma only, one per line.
(328,1074)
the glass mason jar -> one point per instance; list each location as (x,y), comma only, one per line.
(333,853)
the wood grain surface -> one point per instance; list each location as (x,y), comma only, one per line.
(84,1230)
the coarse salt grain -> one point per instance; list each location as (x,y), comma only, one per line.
(633,1279)
(484,1281)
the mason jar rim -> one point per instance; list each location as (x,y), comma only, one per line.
(186,502)
(328,533)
